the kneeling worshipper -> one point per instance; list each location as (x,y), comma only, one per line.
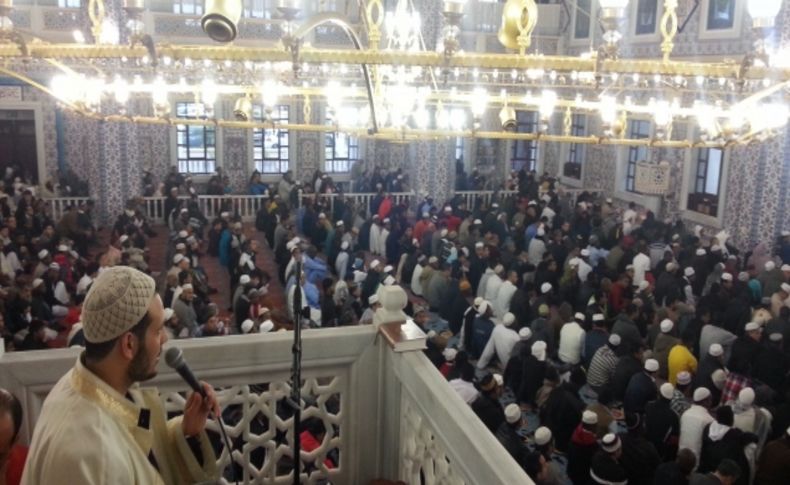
(97,425)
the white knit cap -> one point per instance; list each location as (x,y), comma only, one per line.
(688,271)
(701,393)
(388,268)
(266,326)
(589,417)
(545,288)
(43,254)
(785,287)
(508,319)
(719,377)
(579,316)
(614,340)
(512,413)
(247,325)
(482,308)
(373,299)
(726,277)
(525,333)
(610,443)
(585,252)
(63,248)
(374,264)
(168,313)
(54,266)
(449,354)
(244,279)
(651,365)
(117,300)
(433,259)
(598,317)
(667,390)
(344,245)
(643,285)
(542,436)
(715,350)
(785,267)
(770,265)
(701,252)
(666,325)
(37,282)
(746,396)
(752,326)
(389,280)
(178,258)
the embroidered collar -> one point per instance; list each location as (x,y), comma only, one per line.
(93,388)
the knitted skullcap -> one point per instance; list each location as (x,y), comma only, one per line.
(542,436)
(512,413)
(117,300)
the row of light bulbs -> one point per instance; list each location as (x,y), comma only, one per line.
(407,105)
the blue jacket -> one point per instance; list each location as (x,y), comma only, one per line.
(481,332)
(224,248)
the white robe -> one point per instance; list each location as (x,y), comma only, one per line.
(375,236)
(382,249)
(89,434)
(503,297)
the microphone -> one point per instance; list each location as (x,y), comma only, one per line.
(174,358)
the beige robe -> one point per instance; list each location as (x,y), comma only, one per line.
(89,434)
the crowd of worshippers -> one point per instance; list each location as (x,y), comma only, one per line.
(45,268)
(674,336)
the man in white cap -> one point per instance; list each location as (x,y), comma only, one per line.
(44,258)
(664,343)
(745,348)
(571,341)
(780,299)
(662,424)
(584,267)
(482,327)
(341,261)
(771,279)
(582,448)
(605,467)
(121,429)
(689,276)
(375,236)
(537,247)
(603,364)
(641,264)
(507,432)
(373,305)
(501,342)
(494,283)
(751,418)
(505,294)
(694,421)
(641,388)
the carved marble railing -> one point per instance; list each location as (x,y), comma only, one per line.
(485,197)
(59,205)
(385,414)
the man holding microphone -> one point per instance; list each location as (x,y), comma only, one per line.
(97,426)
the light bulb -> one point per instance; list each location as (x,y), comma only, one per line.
(478,101)
(209,92)
(608,108)
(548,101)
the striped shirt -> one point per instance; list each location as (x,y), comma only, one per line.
(602,367)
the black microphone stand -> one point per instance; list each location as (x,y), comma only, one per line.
(295,400)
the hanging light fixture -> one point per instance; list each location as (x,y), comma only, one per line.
(612,12)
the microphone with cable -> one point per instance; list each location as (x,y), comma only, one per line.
(174,358)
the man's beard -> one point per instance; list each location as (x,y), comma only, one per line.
(139,368)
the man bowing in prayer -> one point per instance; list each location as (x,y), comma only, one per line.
(97,426)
